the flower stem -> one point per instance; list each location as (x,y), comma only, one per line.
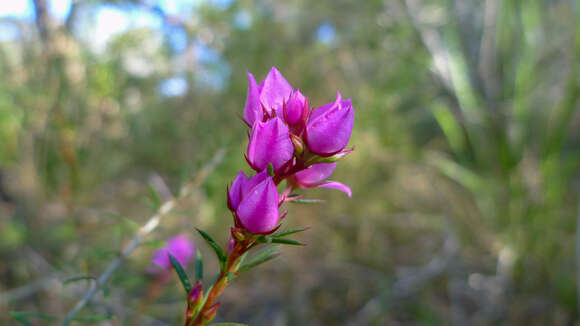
(231,268)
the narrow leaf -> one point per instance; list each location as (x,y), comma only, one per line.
(306,201)
(284,233)
(218,251)
(154,196)
(92,318)
(260,258)
(181,273)
(22,317)
(79,278)
(286,241)
(198,266)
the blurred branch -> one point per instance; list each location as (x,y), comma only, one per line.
(414,280)
(151,225)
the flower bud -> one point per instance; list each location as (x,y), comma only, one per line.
(329,127)
(269,143)
(298,144)
(210,313)
(195,295)
(314,177)
(296,109)
(258,210)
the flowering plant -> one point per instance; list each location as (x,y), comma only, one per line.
(287,142)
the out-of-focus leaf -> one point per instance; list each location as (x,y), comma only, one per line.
(23,316)
(79,278)
(154,197)
(228,324)
(198,266)
(306,201)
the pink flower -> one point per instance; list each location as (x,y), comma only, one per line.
(329,127)
(179,247)
(255,201)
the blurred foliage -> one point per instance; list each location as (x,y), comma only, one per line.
(466,174)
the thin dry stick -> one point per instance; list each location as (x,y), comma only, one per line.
(151,224)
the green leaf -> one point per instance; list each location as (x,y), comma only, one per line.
(284,233)
(154,196)
(125,220)
(93,318)
(286,241)
(306,201)
(218,251)
(198,266)
(260,258)
(270,169)
(228,324)
(79,278)
(22,317)
(181,273)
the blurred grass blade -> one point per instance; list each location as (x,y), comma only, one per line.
(198,266)
(181,273)
(154,196)
(218,251)
(260,258)
(92,318)
(22,317)
(284,233)
(79,278)
(228,324)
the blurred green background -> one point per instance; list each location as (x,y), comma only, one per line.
(465,178)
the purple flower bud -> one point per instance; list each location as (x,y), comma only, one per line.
(196,294)
(253,109)
(269,143)
(296,109)
(275,90)
(179,247)
(235,193)
(258,210)
(314,177)
(329,127)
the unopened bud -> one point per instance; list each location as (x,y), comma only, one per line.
(210,313)
(298,144)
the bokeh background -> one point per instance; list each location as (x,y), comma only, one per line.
(465,178)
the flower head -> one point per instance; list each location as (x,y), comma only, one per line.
(179,247)
(257,210)
(329,127)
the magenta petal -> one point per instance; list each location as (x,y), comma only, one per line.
(258,211)
(253,110)
(270,143)
(336,185)
(329,128)
(254,181)
(315,173)
(275,90)
(235,192)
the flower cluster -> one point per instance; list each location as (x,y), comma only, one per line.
(288,141)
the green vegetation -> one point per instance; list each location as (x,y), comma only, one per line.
(465,177)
